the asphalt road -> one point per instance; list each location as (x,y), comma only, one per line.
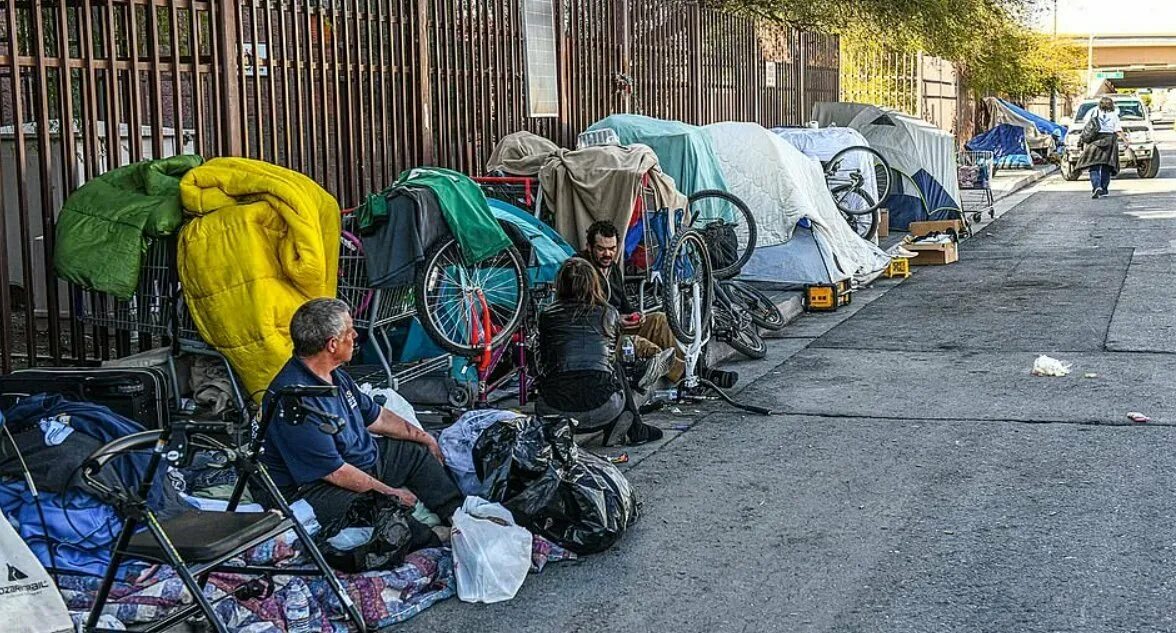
(918,478)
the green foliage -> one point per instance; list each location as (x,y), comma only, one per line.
(986,39)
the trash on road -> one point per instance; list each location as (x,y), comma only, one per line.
(1090,375)
(681,427)
(1136,416)
(623,458)
(1048,366)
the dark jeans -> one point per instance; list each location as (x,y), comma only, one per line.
(1100,178)
(402,464)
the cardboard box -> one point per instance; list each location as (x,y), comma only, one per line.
(884,224)
(934,254)
(919,229)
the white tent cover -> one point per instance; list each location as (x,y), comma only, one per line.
(908,144)
(781,185)
(824,143)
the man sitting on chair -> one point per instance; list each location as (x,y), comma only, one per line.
(373,450)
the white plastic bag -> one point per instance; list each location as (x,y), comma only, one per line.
(491,554)
(1049,366)
(29,603)
(393,402)
(457,445)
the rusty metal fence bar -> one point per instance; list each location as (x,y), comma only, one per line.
(350,92)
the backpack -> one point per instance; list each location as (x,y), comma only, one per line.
(1090,130)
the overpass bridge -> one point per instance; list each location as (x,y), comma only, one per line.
(1131,61)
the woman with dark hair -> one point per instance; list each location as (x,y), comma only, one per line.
(579,376)
(1100,153)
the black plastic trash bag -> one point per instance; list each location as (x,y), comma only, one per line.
(574,498)
(395,534)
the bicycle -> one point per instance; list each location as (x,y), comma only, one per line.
(859,179)
(729,229)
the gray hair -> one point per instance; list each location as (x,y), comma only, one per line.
(1106,104)
(315,323)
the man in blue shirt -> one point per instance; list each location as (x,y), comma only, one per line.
(374,450)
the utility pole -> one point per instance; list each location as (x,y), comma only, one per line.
(1053,91)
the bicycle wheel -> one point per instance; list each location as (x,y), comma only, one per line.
(727,226)
(748,342)
(864,223)
(762,310)
(687,268)
(862,169)
(460,305)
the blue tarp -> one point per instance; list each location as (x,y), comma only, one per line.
(548,248)
(1044,125)
(1007,144)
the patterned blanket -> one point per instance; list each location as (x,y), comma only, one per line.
(384,597)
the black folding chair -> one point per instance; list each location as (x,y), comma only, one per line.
(197,543)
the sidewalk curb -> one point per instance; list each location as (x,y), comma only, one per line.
(1032,179)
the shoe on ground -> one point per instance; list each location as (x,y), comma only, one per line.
(642,433)
(655,368)
(618,430)
(720,378)
(1096,194)
(1104,193)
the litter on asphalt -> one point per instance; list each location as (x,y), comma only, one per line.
(1048,366)
(1136,416)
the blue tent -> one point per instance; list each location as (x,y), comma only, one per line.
(1007,144)
(548,248)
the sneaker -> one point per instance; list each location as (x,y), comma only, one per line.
(1096,194)
(655,368)
(721,379)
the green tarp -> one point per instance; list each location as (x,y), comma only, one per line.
(683,151)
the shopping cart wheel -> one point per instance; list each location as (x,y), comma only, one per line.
(460,305)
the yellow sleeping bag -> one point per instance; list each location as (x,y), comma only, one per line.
(260,241)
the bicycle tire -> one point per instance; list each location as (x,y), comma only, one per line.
(697,221)
(684,244)
(749,343)
(762,310)
(883,174)
(864,223)
(436,295)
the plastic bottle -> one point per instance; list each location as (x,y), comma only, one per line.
(298,610)
(629,351)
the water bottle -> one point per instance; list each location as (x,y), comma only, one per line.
(628,352)
(298,610)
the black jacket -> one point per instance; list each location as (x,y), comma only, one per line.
(577,337)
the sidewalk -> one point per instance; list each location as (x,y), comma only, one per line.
(1007,182)
(1004,184)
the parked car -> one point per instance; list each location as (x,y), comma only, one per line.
(1166,115)
(1137,125)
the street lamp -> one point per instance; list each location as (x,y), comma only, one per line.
(1053,92)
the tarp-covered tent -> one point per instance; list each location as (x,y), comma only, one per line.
(782,187)
(922,154)
(1007,144)
(1015,132)
(585,185)
(684,151)
(547,249)
(823,144)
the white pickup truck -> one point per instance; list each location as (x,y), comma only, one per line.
(1140,135)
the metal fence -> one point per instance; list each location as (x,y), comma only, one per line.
(349,92)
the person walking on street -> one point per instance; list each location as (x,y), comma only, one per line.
(1100,152)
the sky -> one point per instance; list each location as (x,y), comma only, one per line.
(1110,17)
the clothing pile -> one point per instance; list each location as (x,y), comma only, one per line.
(400,224)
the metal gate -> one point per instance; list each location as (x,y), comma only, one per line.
(350,92)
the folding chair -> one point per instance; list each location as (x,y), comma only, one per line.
(197,543)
